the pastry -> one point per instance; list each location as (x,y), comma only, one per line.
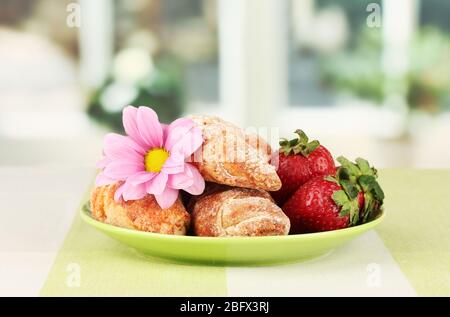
(143,214)
(224,211)
(230,156)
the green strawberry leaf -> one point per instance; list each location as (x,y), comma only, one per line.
(369,183)
(283,142)
(354,212)
(350,208)
(299,145)
(354,218)
(378,192)
(352,168)
(364,166)
(345,210)
(369,207)
(331,179)
(293,142)
(375,172)
(351,190)
(302,137)
(366,182)
(342,174)
(340,198)
(311,146)
(297,149)
(355,178)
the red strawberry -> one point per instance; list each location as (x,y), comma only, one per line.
(351,197)
(298,161)
(361,202)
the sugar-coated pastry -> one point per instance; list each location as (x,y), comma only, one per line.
(144,214)
(230,156)
(224,211)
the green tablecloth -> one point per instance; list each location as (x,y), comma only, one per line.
(417,229)
(416,233)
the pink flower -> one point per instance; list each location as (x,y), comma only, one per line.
(151,159)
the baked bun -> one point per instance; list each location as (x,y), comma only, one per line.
(143,214)
(230,156)
(223,212)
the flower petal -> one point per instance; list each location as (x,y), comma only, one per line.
(174,164)
(103,162)
(181,180)
(119,191)
(185,135)
(165,128)
(176,130)
(198,185)
(131,192)
(129,119)
(118,146)
(157,185)
(167,198)
(192,142)
(149,127)
(121,170)
(140,178)
(102,180)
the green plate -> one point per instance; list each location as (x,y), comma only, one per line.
(232,250)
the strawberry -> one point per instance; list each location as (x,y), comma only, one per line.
(298,161)
(351,197)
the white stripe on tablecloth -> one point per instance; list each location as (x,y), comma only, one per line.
(363,267)
(24,273)
(38,207)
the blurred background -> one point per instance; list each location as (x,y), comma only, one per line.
(369,78)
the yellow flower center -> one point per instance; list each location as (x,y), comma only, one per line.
(155,159)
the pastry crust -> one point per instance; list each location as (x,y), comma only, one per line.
(223,212)
(143,214)
(230,156)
